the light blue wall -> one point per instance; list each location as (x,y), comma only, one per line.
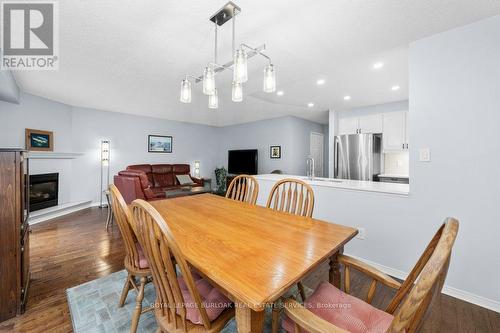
(291,133)
(455,111)
(81,130)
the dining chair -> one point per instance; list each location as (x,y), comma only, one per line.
(136,264)
(324,312)
(295,197)
(243,188)
(185,302)
(292,196)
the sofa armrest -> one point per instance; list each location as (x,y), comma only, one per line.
(198,181)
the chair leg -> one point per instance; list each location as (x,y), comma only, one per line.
(125,290)
(301,291)
(275,318)
(138,305)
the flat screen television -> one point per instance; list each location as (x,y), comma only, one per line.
(242,162)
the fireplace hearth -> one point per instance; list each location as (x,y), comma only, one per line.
(44,190)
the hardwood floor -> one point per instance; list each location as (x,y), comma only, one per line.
(76,248)
(65,252)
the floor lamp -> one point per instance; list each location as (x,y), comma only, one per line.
(104,169)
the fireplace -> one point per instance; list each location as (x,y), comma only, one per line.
(44,190)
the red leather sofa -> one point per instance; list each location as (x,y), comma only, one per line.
(150,181)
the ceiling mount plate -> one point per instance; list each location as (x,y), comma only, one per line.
(225,13)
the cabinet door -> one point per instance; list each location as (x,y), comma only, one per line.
(394,131)
(348,125)
(371,123)
(25,267)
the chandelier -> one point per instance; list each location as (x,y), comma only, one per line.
(239,65)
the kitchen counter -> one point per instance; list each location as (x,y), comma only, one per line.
(393,175)
(356,185)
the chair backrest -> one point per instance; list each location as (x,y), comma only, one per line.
(292,196)
(412,300)
(124,221)
(159,246)
(243,188)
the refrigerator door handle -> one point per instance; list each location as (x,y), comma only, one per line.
(336,171)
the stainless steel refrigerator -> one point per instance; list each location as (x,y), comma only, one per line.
(358,156)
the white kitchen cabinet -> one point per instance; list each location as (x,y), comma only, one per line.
(348,125)
(370,124)
(363,124)
(395,131)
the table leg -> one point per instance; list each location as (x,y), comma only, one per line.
(248,320)
(335,269)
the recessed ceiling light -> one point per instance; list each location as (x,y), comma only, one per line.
(395,88)
(320,82)
(310,105)
(347,98)
(280,93)
(378,65)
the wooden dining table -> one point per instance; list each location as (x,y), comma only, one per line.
(252,254)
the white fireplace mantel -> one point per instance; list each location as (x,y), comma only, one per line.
(52,155)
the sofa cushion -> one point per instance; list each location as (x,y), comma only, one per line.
(136,173)
(145,168)
(184,180)
(162,175)
(161,168)
(344,311)
(181,169)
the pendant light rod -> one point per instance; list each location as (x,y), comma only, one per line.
(228,65)
(234,30)
(257,50)
(215,48)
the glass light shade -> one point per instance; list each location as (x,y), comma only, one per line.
(240,74)
(208,81)
(105,152)
(269,79)
(185,91)
(197,169)
(213,100)
(237,92)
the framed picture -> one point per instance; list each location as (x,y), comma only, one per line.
(275,151)
(159,144)
(37,140)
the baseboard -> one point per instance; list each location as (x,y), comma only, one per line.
(448,290)
(60,210)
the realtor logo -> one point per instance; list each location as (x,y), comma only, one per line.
(29,35)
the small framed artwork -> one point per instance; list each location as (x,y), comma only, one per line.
(275,151)
(38,140)
(159,144)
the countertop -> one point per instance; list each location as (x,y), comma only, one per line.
(357,185)
(394,175)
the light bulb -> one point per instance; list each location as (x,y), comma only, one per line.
(208,81)
(269,79)
(237,92)
(185,91)
(240,74)
(213,100)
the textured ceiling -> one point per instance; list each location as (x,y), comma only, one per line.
(130,56)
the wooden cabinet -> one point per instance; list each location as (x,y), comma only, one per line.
(395,131)
(363,124)
(14,232)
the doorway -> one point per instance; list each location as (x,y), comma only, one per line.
(316,150)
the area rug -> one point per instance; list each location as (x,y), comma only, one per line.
(94,307)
